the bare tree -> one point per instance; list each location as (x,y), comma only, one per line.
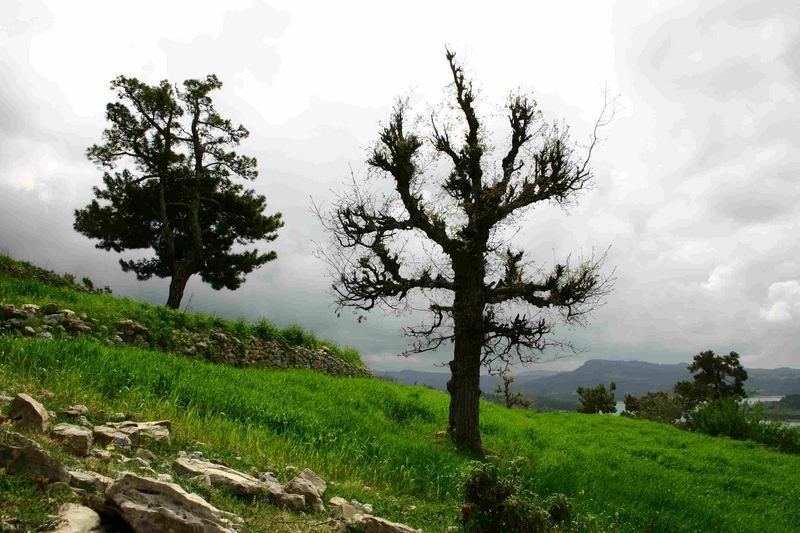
(511,399)
(442,234)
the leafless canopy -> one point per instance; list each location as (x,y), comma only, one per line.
(399,247)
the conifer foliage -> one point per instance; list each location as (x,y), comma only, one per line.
(169,186)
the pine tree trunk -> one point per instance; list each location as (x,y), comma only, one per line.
(177,284)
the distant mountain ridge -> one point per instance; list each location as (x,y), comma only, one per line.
(631,377)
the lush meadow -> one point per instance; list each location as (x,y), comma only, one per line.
(623,474)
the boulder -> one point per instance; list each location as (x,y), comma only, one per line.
(152,505)
(21,455)
(73,518)
(76,439)
(89,481)
(125,433)
(372,524)
(236,482)
(27,413)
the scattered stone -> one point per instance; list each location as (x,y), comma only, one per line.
(28,331)
(58,486)
(165,477)
(45,335)
(219,475)
(341,508)
(27,413)
(50,308)
(372,524)
(290,502)
(73,518)
(90,481)
(45,395)
(311,486)
(25,456)
(97,453)
(76,439)
(124,434)
(146,455)
(75,410)
(29,309)
(152,505)
(364,508)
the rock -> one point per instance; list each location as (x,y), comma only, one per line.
(372,524)
(290,502)
(74,518)
(45,335)
(28,331)
(25,456)
(5,400)
(164,477)
(11,312)
(219,475)
(152,505)
(341,508)
(308,484)
(315,480)
(50,309)
(363,508)
(30,309)
(271,483)
(27,413)
(75,410)
(146,455)
(105,455)
(124,434)
(90,481)
(76,439)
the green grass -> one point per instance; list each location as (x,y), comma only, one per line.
(22,283)
(623,474)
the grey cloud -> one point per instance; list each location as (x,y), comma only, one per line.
(245,44)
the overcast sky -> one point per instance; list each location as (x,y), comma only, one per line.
(697,181)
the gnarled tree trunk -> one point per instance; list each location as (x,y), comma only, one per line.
(465,391)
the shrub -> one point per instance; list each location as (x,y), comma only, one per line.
(722,417)
(597,399)
(730,418)
(659,406)
(495,501)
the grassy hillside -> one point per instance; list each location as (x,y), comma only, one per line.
(631,475)
(377,440)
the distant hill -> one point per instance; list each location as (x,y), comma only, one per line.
(438,380)
(631,377)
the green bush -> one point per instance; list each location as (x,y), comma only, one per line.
(597,399)
(730,418)
(495,501)
(722,417)
(659,406)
